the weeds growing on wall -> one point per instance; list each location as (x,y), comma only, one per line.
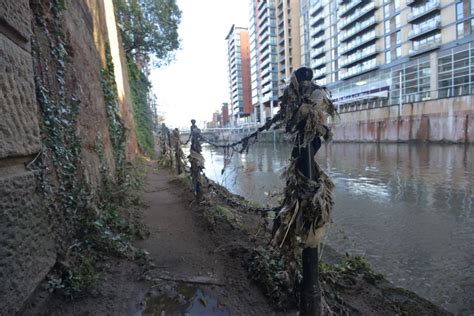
(142,114)
(114,120)
(87,225)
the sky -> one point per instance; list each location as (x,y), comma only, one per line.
(196,84)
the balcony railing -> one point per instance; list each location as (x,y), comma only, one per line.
(315,19)
(316,30)
(419,12)
(316,7)
(356,29)
(428,27)
(317,51)
(318,63)
(358,41)
(318,73)
(356,70)
(315,41)
(346,7)
(357,14)
(425,47)
(353,58)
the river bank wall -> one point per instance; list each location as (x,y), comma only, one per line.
(439,121)
(52,101)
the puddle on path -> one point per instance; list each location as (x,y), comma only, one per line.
(184,300)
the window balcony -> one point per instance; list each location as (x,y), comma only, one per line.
(426,47)
(348,34)
(358,56)
(357,42)
(314,20)
(360,69)
(410,2)
(315,41)
(316,8)
(318,63)
(360,12)
(316,52)
(419,12)
(344,9)
(426,28)
(316,30)
(318,73)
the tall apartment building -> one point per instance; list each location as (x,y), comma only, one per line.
(288,39)
(238,58)
(274,51)
(263,56)
(375,53)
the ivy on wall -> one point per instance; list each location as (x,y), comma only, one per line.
(142,114)
(114,120)
(86,223)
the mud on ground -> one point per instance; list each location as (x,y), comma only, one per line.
(201,253)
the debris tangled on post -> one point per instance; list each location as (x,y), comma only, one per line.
(306,209)
(178,152)
(307,204)
(196,159)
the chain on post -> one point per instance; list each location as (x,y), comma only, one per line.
(196,159)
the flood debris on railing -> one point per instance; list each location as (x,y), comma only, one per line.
(307,202)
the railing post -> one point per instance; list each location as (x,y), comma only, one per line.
(177,150)
(310,291)
(196,159)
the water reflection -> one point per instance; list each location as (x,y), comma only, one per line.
(408,208)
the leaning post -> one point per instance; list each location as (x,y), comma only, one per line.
(177,150)
(196,159)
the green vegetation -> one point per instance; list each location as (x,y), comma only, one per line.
(269,269)
(115,124)
(142,114)
(149,28)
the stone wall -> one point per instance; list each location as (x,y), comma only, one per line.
(28,228)
(443,120)
(26,247)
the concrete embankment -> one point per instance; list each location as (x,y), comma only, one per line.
(442,120)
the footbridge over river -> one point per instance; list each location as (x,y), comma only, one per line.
(226,134)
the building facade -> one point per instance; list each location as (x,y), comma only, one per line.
(385,52)
(288,39)
(263,56)
(238,58)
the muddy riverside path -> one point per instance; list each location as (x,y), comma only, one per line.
(183,248)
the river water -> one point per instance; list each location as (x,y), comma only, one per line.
(408,208)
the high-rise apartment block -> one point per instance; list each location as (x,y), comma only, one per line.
(376,53)
(238,57)
(369,53)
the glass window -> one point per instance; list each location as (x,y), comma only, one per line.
(472,7)
(459,10)
(387,41)
(397,5)
(388,57)
(399,37)
(460,29)
(397,21)
(387,26)
(399,51)
(386,11)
